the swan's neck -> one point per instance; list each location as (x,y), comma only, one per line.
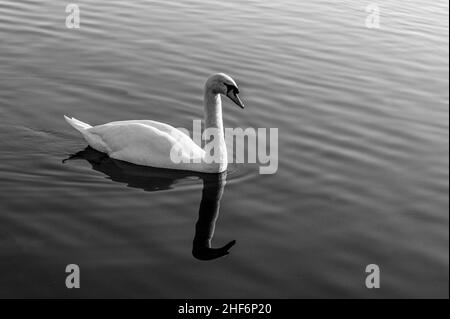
(214,125)
(213,111)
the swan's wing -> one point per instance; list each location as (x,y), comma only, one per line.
(145,143)
(158,125)
(185,142)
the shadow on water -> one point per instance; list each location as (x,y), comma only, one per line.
(152,179)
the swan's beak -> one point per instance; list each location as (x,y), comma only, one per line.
(235,98)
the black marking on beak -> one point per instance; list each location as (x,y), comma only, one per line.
(232,93)
(232,88)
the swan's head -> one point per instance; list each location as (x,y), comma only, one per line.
(221,83)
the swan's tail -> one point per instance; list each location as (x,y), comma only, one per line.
(78,125)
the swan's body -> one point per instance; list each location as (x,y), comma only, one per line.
(152,143)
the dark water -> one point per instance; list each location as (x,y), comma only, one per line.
(363,118)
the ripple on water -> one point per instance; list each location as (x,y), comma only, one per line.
(363,147)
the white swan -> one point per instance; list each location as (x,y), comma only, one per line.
(150,143)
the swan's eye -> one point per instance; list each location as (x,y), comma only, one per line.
(232,88)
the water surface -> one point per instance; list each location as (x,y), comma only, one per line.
(363,149)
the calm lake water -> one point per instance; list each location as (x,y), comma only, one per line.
(363,178)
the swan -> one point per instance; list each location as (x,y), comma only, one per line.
(151,143)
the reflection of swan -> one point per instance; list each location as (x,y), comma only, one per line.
(156,179)
(213,186)
(156,144)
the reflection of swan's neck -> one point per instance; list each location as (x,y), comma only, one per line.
(214,126)
(209,211)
